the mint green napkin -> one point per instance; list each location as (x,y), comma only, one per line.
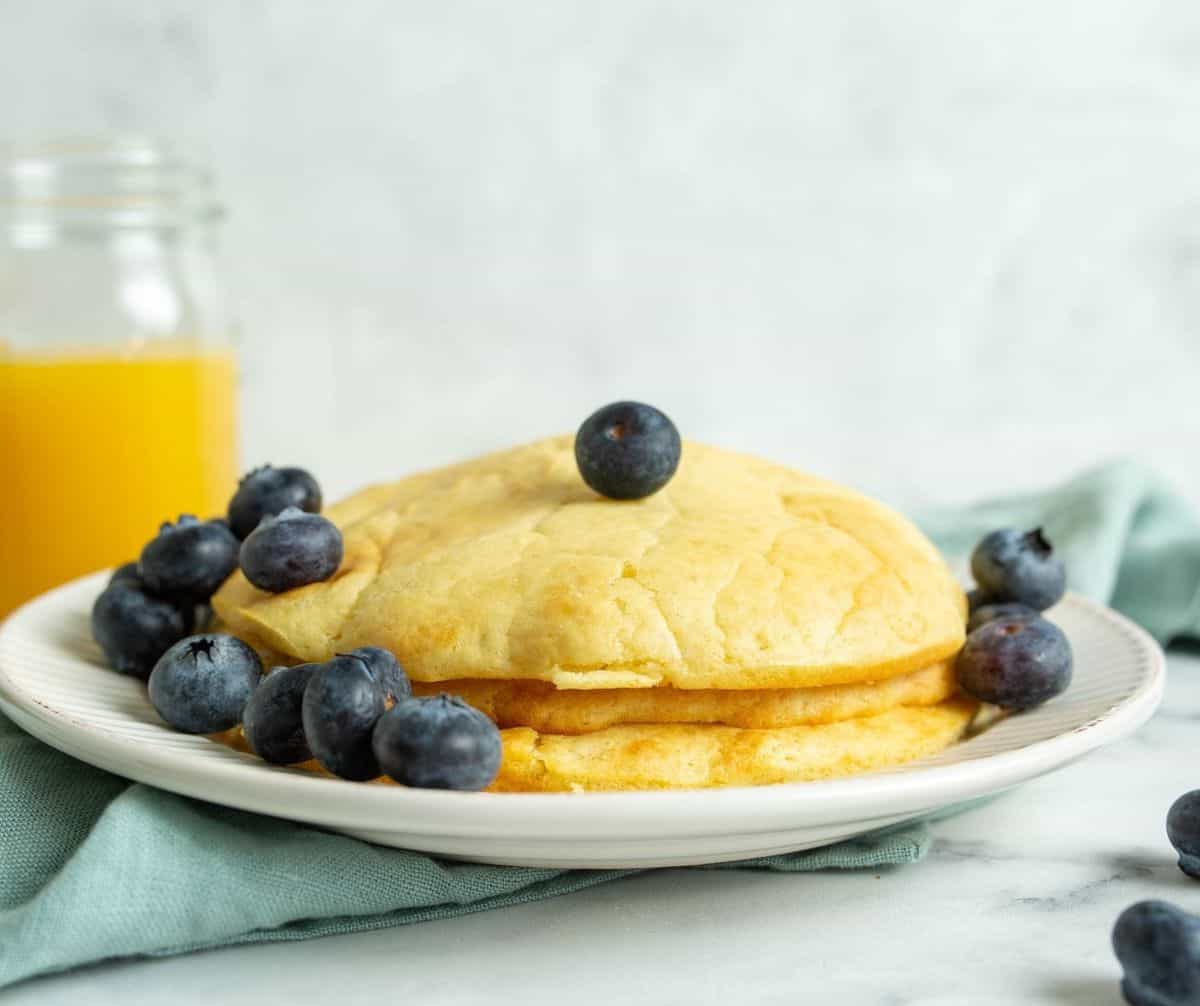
(1127,538)
(94,867)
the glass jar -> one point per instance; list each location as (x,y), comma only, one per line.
(117,376)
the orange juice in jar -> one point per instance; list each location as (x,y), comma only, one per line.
(117,383)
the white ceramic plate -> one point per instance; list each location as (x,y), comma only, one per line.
(53,683)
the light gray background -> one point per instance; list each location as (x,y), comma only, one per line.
(938,248)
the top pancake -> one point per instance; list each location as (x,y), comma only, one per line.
(739,574)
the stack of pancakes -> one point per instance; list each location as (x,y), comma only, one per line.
(746,624)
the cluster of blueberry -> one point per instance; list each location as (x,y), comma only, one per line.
(273,531)
(1013,657)
(355,714)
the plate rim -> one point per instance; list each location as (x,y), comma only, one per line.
(297,795)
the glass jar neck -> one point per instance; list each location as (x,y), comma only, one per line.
(107,245)
(102,185)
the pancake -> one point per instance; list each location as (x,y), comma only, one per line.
(739,574)
(550,710)
(683,757)
(671,756)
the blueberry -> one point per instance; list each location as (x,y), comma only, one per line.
(272,719)
(268,491)
(1004,609)
(134,629)
(627,451)
(1158,946)
(387,671)
(1183,829)
(202,683)
(1016,663)
(1013,566)
(438,743)
(188,559)
(221,522)
(127,573)
(291,550)
(341,705)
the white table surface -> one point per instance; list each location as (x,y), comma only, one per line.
(1014,905)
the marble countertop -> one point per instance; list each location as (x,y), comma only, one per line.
(1014,905)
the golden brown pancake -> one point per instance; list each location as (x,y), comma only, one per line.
(665,756)
(739,574)
(553,710)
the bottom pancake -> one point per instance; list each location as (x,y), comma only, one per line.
(674,756)
(551,710)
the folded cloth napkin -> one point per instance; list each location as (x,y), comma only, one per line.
(94,867)
(1127,538)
